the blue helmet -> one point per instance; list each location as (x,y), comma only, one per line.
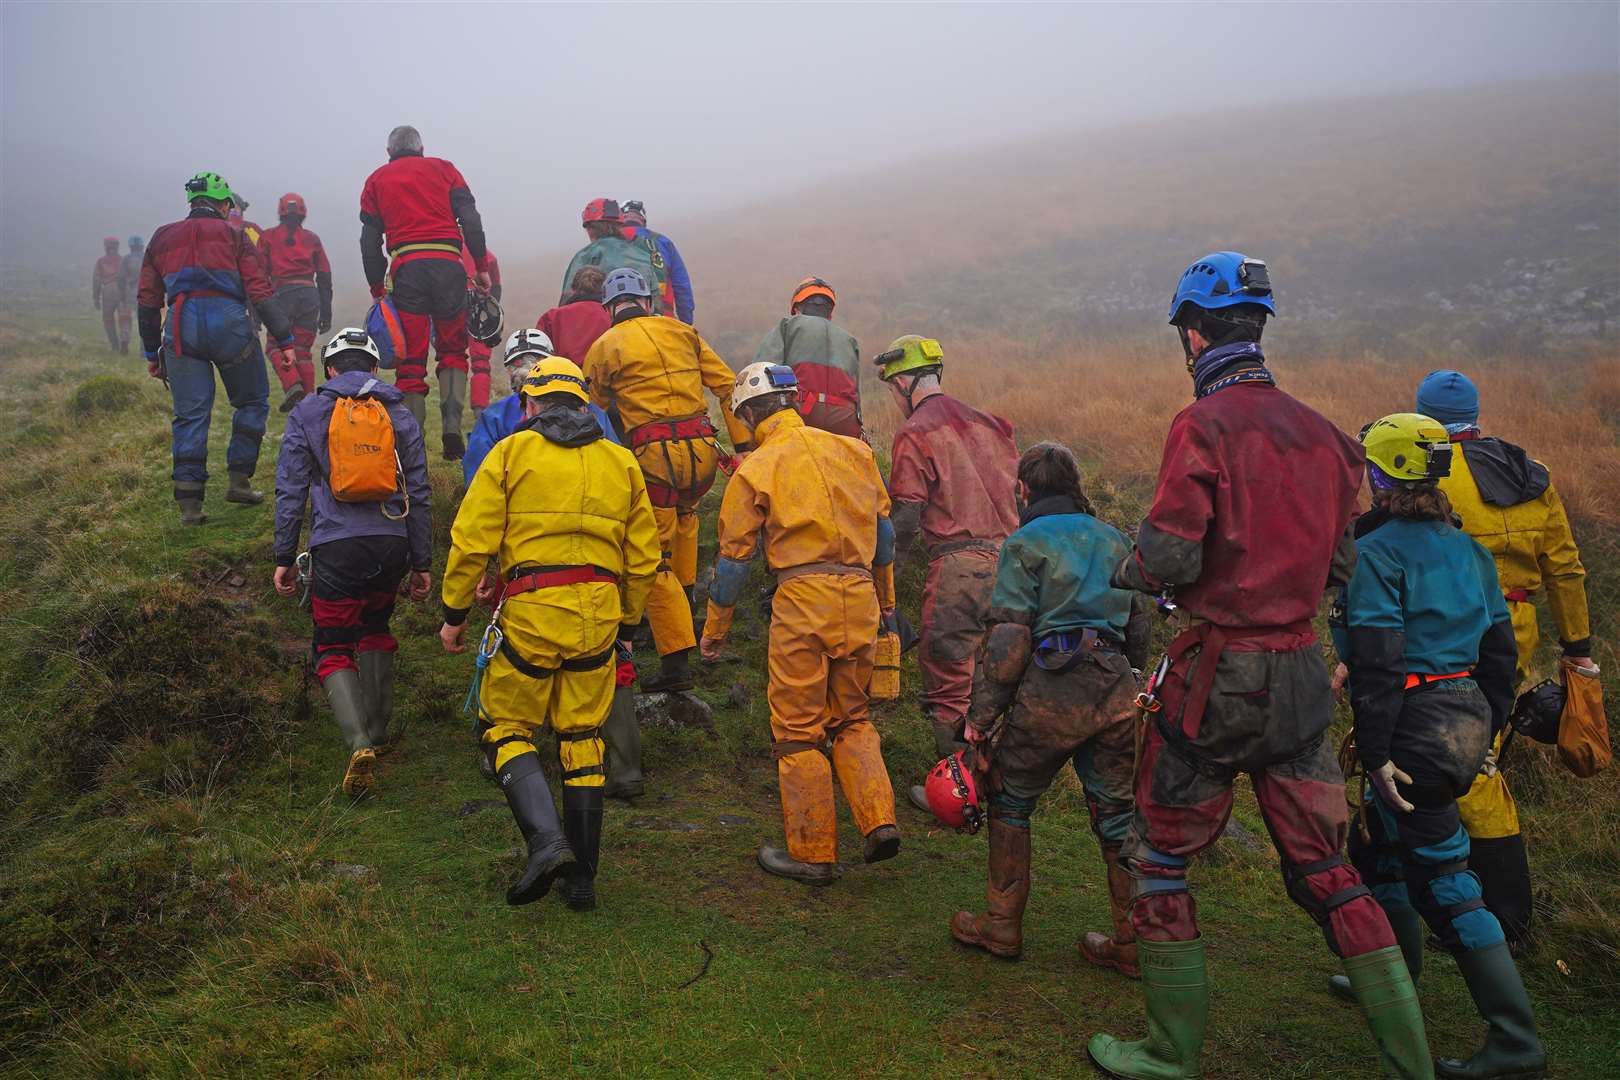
(624,282)
(1221,280)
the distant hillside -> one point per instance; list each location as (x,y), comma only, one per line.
(1482,218)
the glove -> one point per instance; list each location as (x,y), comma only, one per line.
(325,323)
(1383,778)
(378,289)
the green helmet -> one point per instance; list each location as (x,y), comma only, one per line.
(910,353)
(208,185)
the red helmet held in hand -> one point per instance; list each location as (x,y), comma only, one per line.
(953,794)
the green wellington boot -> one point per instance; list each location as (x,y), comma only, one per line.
(622,734)
(1409,934)
(1381,985)
(345,696)
(377,686)
(189,495)
(1177,1006)
(241,490)
(1511,1051)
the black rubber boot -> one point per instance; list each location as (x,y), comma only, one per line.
(674,673)
(524,783)
(294,394)
(623,737)
(1409,935)
(582,822)
(1512,1051)
(453,446)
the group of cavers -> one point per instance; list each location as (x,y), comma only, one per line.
(579,527)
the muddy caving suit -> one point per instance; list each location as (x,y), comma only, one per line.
(1057,664)
(1507,502)
(209,275)
(820,502)
(652,371)
(565,512)
(674,283)
(107,293)
(425,209)
(952,477)
(477,352)
(827,362)
(303,282)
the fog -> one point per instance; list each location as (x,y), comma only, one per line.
(107,109)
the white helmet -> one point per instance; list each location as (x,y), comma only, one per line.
(757,380)
(351,339)
(533,343)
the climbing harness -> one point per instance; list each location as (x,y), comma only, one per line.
(488,646)
(1148,699)
(304,564)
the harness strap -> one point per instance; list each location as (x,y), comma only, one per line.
(1418,678)
(409,249)
(579,736)
(534,671)
(939,551)
(805,569)
(587,770)
(1344,896)
(531,579)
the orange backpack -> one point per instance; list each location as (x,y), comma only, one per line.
(360,448)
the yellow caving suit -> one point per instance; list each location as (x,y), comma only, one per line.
(822,505)
(537,504)
(1534,549)
(654,371)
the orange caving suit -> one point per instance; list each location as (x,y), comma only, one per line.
(822,505)
(654,370)
(557,507)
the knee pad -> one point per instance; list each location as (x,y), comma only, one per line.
(1156,873)
(1011,809)
(1109,820)
(503,749)
(1450,897)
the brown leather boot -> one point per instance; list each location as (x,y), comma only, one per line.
(1117,952)
(1000,930)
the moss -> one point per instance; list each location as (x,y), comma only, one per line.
(103,394)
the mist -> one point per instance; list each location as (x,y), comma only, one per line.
(695,109)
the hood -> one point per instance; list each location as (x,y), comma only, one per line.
(1049,506)
(565,426)
(348,384)
(1504,473)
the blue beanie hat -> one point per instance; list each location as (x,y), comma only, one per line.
(1449,397)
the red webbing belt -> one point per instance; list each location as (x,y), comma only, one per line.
(687,429)
(1518,596)
(553,577)
(1211,641)
(1417,679)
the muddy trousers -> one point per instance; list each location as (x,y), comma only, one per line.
(354,586)
(667,608)
(430,295)
(822,640)
(955,602)
(191,385)
(115,320)
(302,306)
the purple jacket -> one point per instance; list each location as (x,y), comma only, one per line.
(302,469)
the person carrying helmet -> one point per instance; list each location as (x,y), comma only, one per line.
(820,505)
(1246,531)
(1508,503)
(824,356)
(478,352)
(524,348)
(565,512)
(952,475)
(653,371)
(610,250)
(360,548)
(1429,644)
(129,279)
(1055,687)
(107,295)
(303,281)
(574,325)
(424,208)
(212,280)
(675,284)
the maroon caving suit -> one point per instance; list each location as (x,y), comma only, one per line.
(425,209)
(953,478)
(1248,526)
(302,277)
(107,293)
(477,351)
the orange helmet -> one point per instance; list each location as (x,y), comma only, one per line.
(812,286)
(292,203)
(601,210)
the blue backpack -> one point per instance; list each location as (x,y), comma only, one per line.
(382,323)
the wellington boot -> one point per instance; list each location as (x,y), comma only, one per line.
(919,798)
(527,794)
(1000,930)
(1409,935)
(582,823)
(775,860)
(623,737)
(453,446)
(191,511)
(1177,998)
(241,490)
(882,843)
(674,674)
(1512,1049)
(347,699)
(1381,985)
(416,405)
(1117,952)
(294,394)
(360,777)
(377,688)
(452,397)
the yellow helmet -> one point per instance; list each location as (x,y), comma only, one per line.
(912,352)
(1408,446)
(556,375)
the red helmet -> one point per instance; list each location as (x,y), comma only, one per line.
(953,794)
(292,203)
(602,210)
(110,243)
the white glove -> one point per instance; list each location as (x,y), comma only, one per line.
(1383,779)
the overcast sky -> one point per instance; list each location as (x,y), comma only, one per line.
(107,108)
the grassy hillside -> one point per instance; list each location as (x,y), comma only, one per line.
(183,891)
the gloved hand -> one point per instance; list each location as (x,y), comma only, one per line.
(324,324)
(485,282)
(1383,779)
(709,648)
(154,364)
(378,289)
